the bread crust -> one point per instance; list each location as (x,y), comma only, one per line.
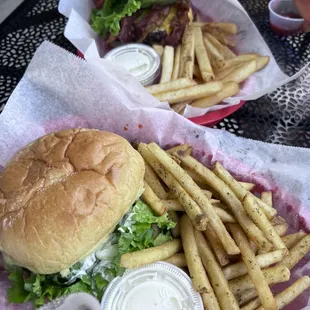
(63,194)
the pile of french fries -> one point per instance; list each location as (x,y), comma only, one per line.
(203,70)
(231,242)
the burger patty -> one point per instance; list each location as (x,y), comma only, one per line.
(160,24)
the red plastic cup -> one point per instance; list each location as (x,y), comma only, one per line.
(284,17)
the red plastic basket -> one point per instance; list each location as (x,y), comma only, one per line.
(211,118)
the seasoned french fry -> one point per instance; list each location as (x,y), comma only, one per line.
(254,271)
(238,60)
(218,249)
(281,229)
(176,65)
(220,75)
(194,175)
(222,206)
(247,186)
(240,191)
(220,35)
(297,253)
(263,260)
(194,190)
(197,73)
(170,86)
(241,73)
(167,65)
(154,183)
(152,200)
(219,283)
(222,49)
(229,198)
(199,180)
(278,220)
(244,297)
(188,52)
(253,246)
(194,263)
(207,193)
(229,28)
(210,302)
(175,205)
(261,62)
(151,255)
(292,292)
(229,89)
(292,239)
(224,216)
(182,147)
(192,93)
(273,275)
(159,49)
(191,208)
(261,220)
(252,305)
(178,260)
(180,107)
(266,197)
(175,231)
(181,62)
(217,60)
(202,56)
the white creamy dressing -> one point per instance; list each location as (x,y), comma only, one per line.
(134,62)
(103,258)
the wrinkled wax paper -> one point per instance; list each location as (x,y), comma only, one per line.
(248,40)
(61,91)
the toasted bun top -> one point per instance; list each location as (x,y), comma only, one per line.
(63,194)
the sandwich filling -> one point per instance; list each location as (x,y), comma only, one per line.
(151,21)
(139,229)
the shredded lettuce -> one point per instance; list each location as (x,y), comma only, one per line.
(140,235)
(93,274)
(107,19)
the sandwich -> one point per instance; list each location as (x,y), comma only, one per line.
(150,21)
(69,206)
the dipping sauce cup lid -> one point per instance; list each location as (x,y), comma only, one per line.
(158,286)
(141,60)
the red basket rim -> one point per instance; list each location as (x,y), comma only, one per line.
(212,118)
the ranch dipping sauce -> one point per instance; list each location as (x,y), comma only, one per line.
(157,286)
(140,60)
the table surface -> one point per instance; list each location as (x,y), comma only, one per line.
(280,117)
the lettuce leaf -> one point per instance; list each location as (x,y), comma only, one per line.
(107,20)
(16,293)
(41,288)
(134,233)
(139,234)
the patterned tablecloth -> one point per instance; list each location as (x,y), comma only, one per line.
(280,117)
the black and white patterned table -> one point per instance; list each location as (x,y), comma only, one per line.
(280,117)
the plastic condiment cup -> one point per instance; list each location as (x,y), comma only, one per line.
(158,286)
(141,60)
(284,17)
